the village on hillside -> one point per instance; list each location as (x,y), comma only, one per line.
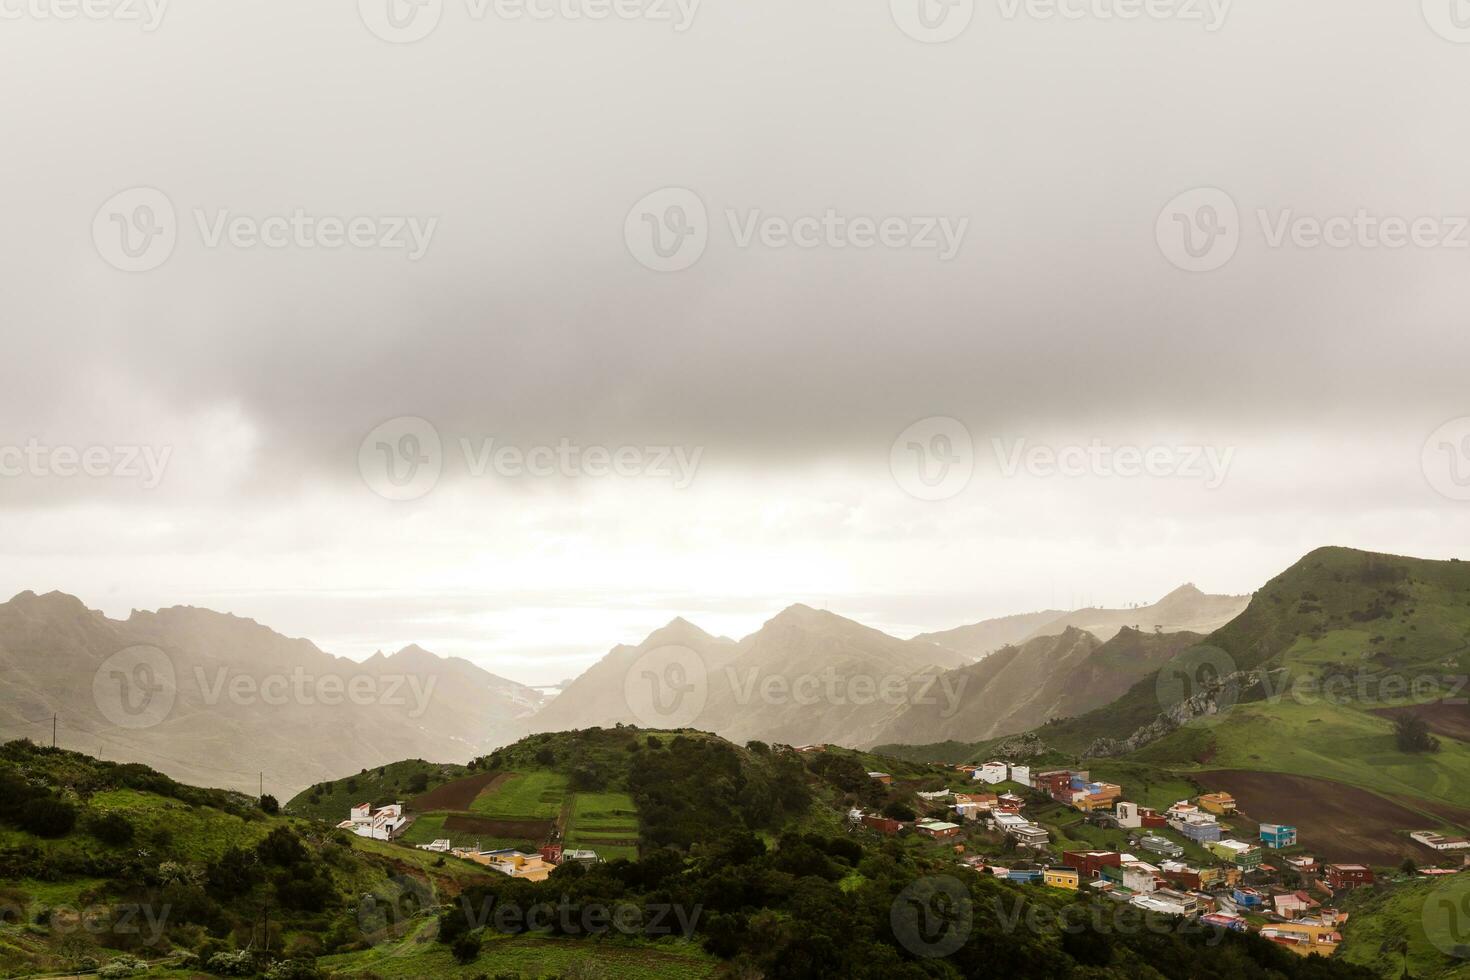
(1200,858)
(388,823)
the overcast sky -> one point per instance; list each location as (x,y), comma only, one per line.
(1005,249)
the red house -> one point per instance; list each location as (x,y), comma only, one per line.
(1089,864)
(1181,876)
(551,854)
(884,825)
(1056,784)
(1348,876)
(1151,817)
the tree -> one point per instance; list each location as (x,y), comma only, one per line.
(899,810)
(1412,734)
(269,804)
(112,828)
(466,949)
(418,782)
(48,816)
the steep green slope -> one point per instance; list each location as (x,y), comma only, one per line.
(104,862)
(393,783)
(1321,648)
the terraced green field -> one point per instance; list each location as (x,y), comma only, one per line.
(606,823)
(532,795)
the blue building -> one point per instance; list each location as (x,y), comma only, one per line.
(1278,835)
(1200,830)
(1248,898)
(1025,877)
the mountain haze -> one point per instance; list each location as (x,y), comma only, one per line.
(247,699)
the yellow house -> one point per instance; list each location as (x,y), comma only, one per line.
(1304,938)
(531,867)
(1221,804)
(1061,878)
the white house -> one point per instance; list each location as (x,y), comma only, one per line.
(935,796)
(380,825)
(442,845)
(1021,774)
(1439,842)
(992,772)
(1127,815)
(1140,877)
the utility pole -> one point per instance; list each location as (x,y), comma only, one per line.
(262,783)
(53,731)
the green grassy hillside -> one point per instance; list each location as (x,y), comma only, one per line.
(745,869)
(392,783)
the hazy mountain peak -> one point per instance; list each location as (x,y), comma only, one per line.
(1186,591)
(51,602)
(803,616)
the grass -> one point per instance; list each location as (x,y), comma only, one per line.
(529,955)
(1331,742)
(524,796)
(1382,920)
(200,834)
(599,819)
(425,829)
(330,801)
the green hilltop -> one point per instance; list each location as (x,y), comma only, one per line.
(740,864)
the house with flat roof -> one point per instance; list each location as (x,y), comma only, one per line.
(1162,846)
(1220,804)
(1278,835)
(1062,877)
(1439,842)
(1341,876)
(1245,856)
